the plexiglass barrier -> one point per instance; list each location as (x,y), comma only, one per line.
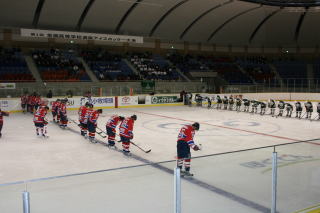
(239,181)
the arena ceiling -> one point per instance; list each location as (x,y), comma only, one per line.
(223,22)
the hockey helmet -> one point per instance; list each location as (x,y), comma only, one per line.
(134,117)
(87,104)
(196,126)
(99,110)
(90,105)
(121,118)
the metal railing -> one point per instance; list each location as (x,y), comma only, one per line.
(286,85)
(247,180)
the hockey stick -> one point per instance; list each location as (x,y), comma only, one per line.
(101,130)
(315,118)
(100,134)
(73,121)
(146,151)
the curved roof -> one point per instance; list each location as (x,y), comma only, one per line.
(222,22)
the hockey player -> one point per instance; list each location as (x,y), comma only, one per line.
(184,143)
(54,110)
(209,102)
(318,110)
(83,119)
(231,102)
(126,134)
(198,99)
(92,124)
(309,109)
(225,102)
(289,109)
(272,106)
(2,113)
(238,104)
(281,106)
(189,95)
(298,109)
(24,101)
(262,108)
(40,121)
(246,104)
(219,102)
(62,111)
(254,106)
(37,102)
(111,128)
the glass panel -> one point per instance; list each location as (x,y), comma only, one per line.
(138,189)
(298,177)
(229,183)
(11,198)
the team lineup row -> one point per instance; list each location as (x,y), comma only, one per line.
(88,124)
(236,104)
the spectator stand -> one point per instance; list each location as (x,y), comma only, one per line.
(293,72)
(257,68)
(13,67)
(59,65)
(153,67)
(108,66)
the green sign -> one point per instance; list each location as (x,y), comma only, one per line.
(147,86)
(163,99)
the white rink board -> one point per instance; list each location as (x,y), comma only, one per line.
(13,104)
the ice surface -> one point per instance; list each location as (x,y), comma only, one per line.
(224,182)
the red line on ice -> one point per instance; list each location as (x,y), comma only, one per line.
(225,127)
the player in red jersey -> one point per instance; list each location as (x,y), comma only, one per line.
(37,102)
(24,101)
(185,142)
(92,123)
(62,111)
(83,118)
(111,128)
(2,113)
(126,134)
(40,121)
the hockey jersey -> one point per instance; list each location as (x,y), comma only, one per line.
(24,99)
(82,112)
(186,134)
(126,128)
(62,109)
(39,115)
(3,113)
(55,106)
(113,121)
(93,117)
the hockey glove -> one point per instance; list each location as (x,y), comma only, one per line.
(196,148)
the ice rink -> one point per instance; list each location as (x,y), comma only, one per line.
(237,182)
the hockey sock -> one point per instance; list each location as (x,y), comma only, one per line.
(187,163)
(42,131)
(126,146)
(180,162)
(111,139)
(92,134)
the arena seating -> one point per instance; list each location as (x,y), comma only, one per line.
(13,66)
(257,68)
(108,66)
(59,65)
(293,72)
(224,66)
(153,67)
